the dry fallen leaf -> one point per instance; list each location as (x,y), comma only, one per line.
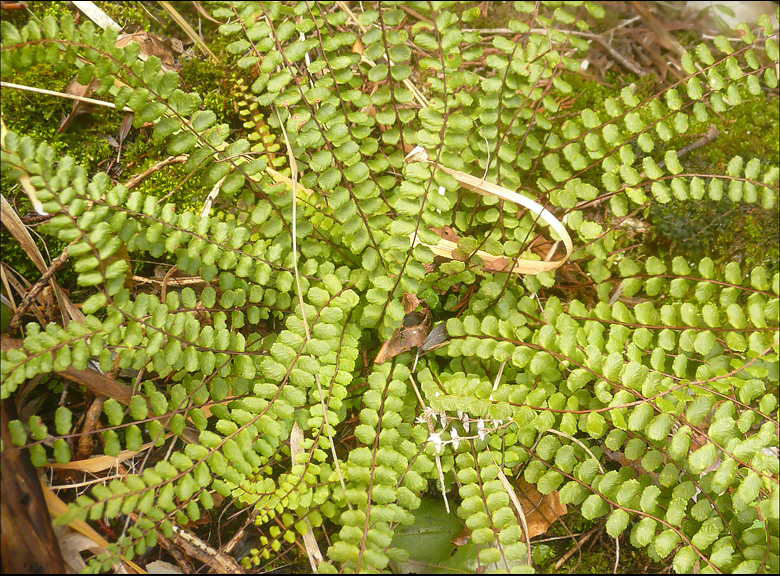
(72,544)
(540,511)
(411,335)
(447,248)
(151,45)
(410,302)
(76,89)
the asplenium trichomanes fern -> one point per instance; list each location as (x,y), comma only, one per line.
(683,383)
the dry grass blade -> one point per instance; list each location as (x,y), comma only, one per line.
(518,507)
(14,225)
(194,36)
(29,189)
(445,247)
(99,463)
(279,177)
(309,541)
(95,14)
(294,189)
(210,198)
(57,508)
(7,287)
(62,95)
(202,11)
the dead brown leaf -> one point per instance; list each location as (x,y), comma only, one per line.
(57,508)
(151,45)
(410,302)
(76,89)
(540,511)
(411,334)
(27,539)
(447,233)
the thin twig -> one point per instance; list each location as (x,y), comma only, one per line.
(201,551)
(711,134)
(415,14)
(631,66)
(37,288)
(62,95)
(574,549)
(138,178)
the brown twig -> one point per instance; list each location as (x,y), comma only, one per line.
(42,282)
(415,14)
(86,442)
(574,549)
(138,178)
(705,138)
(174,551)
(198,549)
(630,65)
(664,38)
(167,279)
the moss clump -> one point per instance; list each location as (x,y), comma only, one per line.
(38,116)
(726,230)
(219,90)
(597,552)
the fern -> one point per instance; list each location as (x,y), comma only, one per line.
(683,383)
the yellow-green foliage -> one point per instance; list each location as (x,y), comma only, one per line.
(673,364)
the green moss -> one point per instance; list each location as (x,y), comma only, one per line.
(597,553)
(218,89)
(127,13)
(725,230)
(38,116)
